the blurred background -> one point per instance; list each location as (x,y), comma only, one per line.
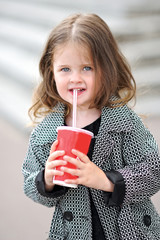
(24,28)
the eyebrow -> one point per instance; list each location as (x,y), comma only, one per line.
(85,64)
(64,65)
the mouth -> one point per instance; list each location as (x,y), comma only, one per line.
(79,90)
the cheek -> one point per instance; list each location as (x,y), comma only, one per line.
(58,81)
(60,86)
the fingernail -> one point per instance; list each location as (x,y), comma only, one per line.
(62,152)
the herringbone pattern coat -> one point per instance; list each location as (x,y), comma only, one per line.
(123,144)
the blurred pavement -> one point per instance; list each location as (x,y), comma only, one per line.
(21,218)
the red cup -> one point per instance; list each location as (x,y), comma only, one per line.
(71,138)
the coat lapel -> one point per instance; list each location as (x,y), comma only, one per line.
(46,131)
(112,120)
(102,149)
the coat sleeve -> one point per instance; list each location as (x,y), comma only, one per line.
(116,197)
(32,168)
(56,192)
(142,171)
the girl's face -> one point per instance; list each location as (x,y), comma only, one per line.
(74,69)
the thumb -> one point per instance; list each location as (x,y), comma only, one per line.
(54,146)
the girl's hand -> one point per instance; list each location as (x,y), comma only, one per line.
(88,173)
(51,163)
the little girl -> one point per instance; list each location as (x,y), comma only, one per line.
(122,168)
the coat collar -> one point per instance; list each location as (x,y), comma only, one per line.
(116,119)
(112,119)
(46,131)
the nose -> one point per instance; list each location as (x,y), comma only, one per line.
(75,77)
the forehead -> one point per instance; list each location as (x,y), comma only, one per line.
(74,50)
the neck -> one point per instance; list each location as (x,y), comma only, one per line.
(84,117)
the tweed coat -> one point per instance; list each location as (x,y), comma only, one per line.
(122,144)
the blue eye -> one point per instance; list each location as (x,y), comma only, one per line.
(87,68)
(65,69)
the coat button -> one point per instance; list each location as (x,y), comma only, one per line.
(68,216)
(147,220)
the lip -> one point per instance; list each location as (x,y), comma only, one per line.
(79,90)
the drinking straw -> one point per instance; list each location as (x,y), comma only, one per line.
(74,107)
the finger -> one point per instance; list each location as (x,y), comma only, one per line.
(54,172)
(56,163)
(56,154)
(73,181)
(83,157)
(58,173)
(72,171)
(53,147)
(74,161)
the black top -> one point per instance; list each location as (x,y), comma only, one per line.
(111,199)
(97,231)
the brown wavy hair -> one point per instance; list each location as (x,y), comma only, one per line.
(116,79)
